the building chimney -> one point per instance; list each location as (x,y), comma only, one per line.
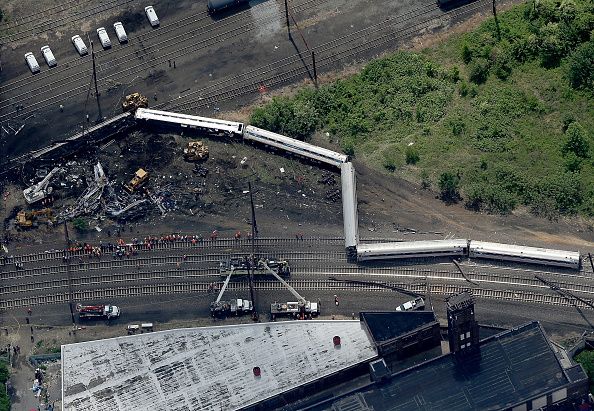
(463,331)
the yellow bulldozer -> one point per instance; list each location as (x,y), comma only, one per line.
(134,101)
(140,177)
(28,219)
(195,151)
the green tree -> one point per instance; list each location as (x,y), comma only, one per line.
(4,399)
(586,358)
(478,70)
(577,142)
(580,66)
(412,155)
(449,184)
(80,224)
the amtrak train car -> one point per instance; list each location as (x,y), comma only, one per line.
(208,125)
(294,146)
(349,208)
(508,252)
(412,249)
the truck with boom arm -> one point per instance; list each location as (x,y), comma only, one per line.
(98,311)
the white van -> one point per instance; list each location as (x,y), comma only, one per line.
(152,16)
(32,62)
(79,44)
(120,32)
(48,56)
(103,37)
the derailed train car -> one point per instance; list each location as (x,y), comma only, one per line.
(522,254)
(412,249)
(186,121)
(294,146)
(349,208)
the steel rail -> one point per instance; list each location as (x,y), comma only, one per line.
(304,285)
(135,69)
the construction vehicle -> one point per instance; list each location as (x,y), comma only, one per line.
(235,306)
(195,151)
(98,311)
(241,265)
(134,101)
(139,179)
(299,309)
(416,304)
(28,219)
(41,190)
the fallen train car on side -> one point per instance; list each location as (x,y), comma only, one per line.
(412,249)
(535,255)
(294,146)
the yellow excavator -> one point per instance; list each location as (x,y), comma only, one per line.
(134,101)
(28,219)
(139,179)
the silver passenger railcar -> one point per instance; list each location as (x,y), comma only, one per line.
(508,252)
(412,249)
(294,146)
(209,125)
(349,207)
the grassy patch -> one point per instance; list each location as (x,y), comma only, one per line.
(507,109)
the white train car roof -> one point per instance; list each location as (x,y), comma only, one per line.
(518,251)
(349,205)
(295,146)
(409,247)
(186,120)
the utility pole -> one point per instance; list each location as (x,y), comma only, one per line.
(253,262)
(313,55)
(95,80)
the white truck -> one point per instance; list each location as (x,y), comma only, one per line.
(98,311)
(416,304)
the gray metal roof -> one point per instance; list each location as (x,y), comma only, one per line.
(208,368)
(511,367)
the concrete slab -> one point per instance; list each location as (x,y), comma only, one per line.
(208,368)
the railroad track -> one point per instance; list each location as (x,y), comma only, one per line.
(43,21)
(524,296)
(121,74)
(254,77)
(205,244)
(78,62)
(142,262)
(275,79)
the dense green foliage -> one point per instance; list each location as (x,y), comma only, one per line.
(4,399)
(586,358)
(500,117)
(80,224)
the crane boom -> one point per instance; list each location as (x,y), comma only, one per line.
(278,277)
(224,286)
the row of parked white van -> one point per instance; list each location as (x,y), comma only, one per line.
(80,45)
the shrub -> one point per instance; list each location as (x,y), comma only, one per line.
(463,89)
(80,224)
(466,54)
(389,164)
(580,67)
(294,118)
(586,358)
(4,398)
(478,70)
(425,180)
(576,142)
(412,155)
(449,184)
